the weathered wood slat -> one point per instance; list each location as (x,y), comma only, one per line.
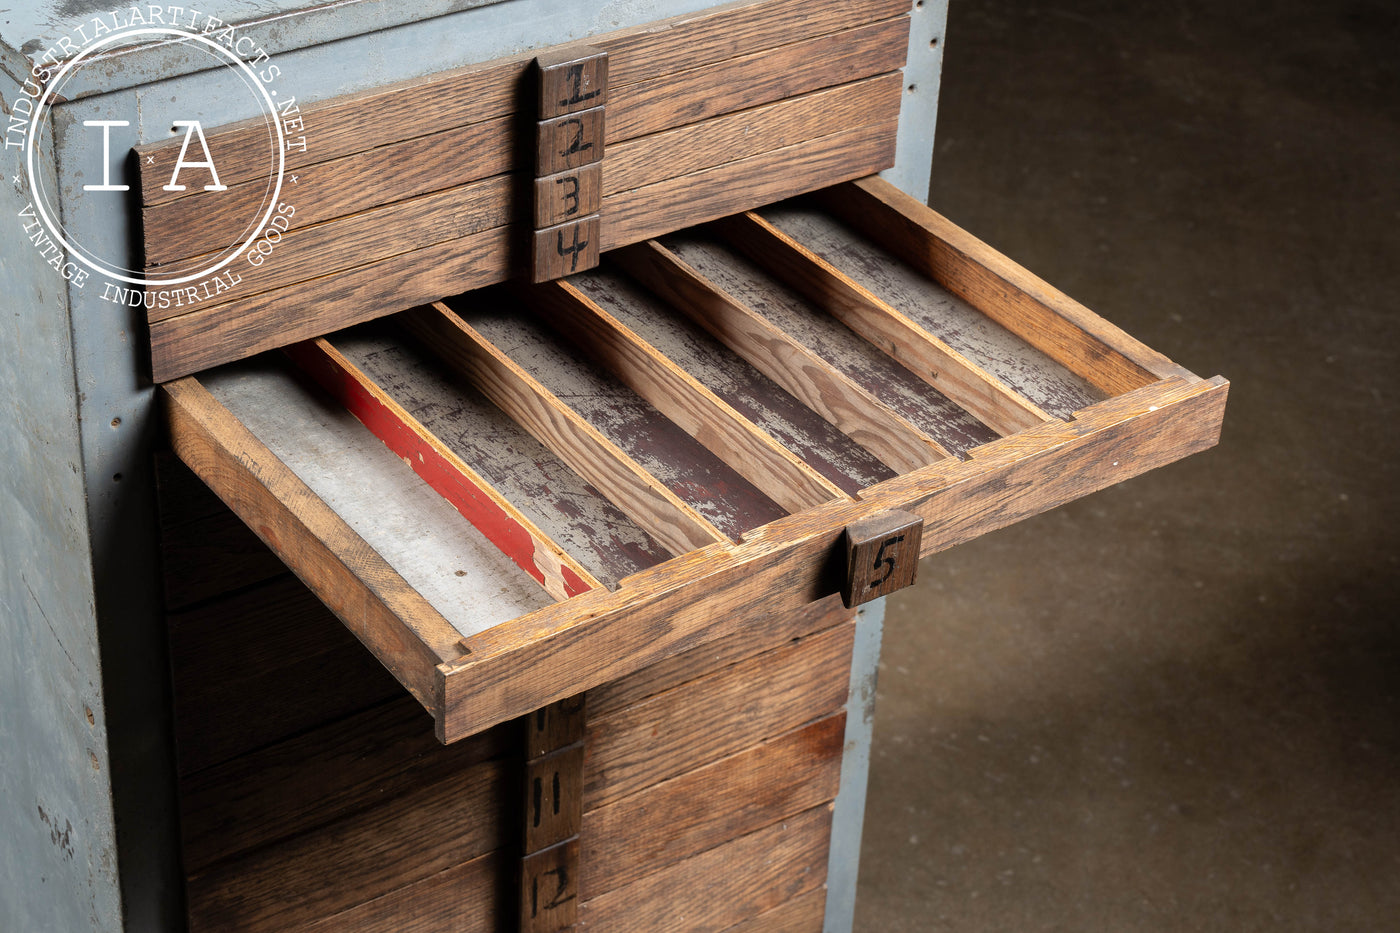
(221,333)
(574,514)
(424,831)
(501,522)
(762,401)
(717,889)
(789,310)
(932,307)
(384,612)
(1004,291)
(468,216)
(755,79)
(807,118)
(673,457)
(983,395)
(805,913)
(477,93)
(774,469)
(261,664)
(476,895)
(645,832)
(642,213)
(816,383)
(315,778)
(667,519)
(341,187)
(708,658)
(761,697)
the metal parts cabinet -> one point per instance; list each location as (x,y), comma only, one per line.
(286,774)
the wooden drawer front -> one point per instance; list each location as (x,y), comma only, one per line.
(414,192)
(672,449)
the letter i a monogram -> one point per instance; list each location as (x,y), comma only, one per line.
(192,128)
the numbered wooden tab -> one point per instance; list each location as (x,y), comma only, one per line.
(567,248)
(882,555)
(549,889)
(555,726)
(568,195)
(571,80)
(568,142)
(553,798)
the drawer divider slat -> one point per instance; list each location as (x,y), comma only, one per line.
(472,495)
(671,522)
(979,392)
(807,377)
(755,455)
(1038,313)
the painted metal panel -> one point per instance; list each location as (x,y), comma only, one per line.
(58,857)
(918,111)
(848,820)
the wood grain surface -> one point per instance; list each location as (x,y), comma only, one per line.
(727,885)
(671,821)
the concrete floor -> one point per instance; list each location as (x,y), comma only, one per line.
(1172,705)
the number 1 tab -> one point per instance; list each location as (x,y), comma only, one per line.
(571,79)
(882,555)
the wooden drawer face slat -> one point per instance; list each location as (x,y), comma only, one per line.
(717,889)
(757,699)
(647,831)
(741,552)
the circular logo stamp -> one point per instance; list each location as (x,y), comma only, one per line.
(222,186)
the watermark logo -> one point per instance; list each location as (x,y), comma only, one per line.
(238,67)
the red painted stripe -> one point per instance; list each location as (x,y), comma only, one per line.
(475,505)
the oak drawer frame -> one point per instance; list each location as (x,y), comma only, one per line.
(1156,413)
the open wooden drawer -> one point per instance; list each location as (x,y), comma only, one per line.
(671,448)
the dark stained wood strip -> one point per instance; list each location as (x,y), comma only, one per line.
(732,797)
(351,184)
(568,509)
(222,333)
(494,516)
(1050,320)
(308,252)
(772,468)
(805,913)
(661,448)
(827,338)
(650,211)
(812,380)
(203,558)
(717,889)
(974,389)
(315,778)
(759,78)
(669,520)
(426,830)
(732,378)
(261,664)
(479,92)
(476,895)
(1015,361)
(761,697)
(708,658)
(694,147)
(731,31)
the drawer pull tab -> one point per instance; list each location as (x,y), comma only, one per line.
(882,555)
